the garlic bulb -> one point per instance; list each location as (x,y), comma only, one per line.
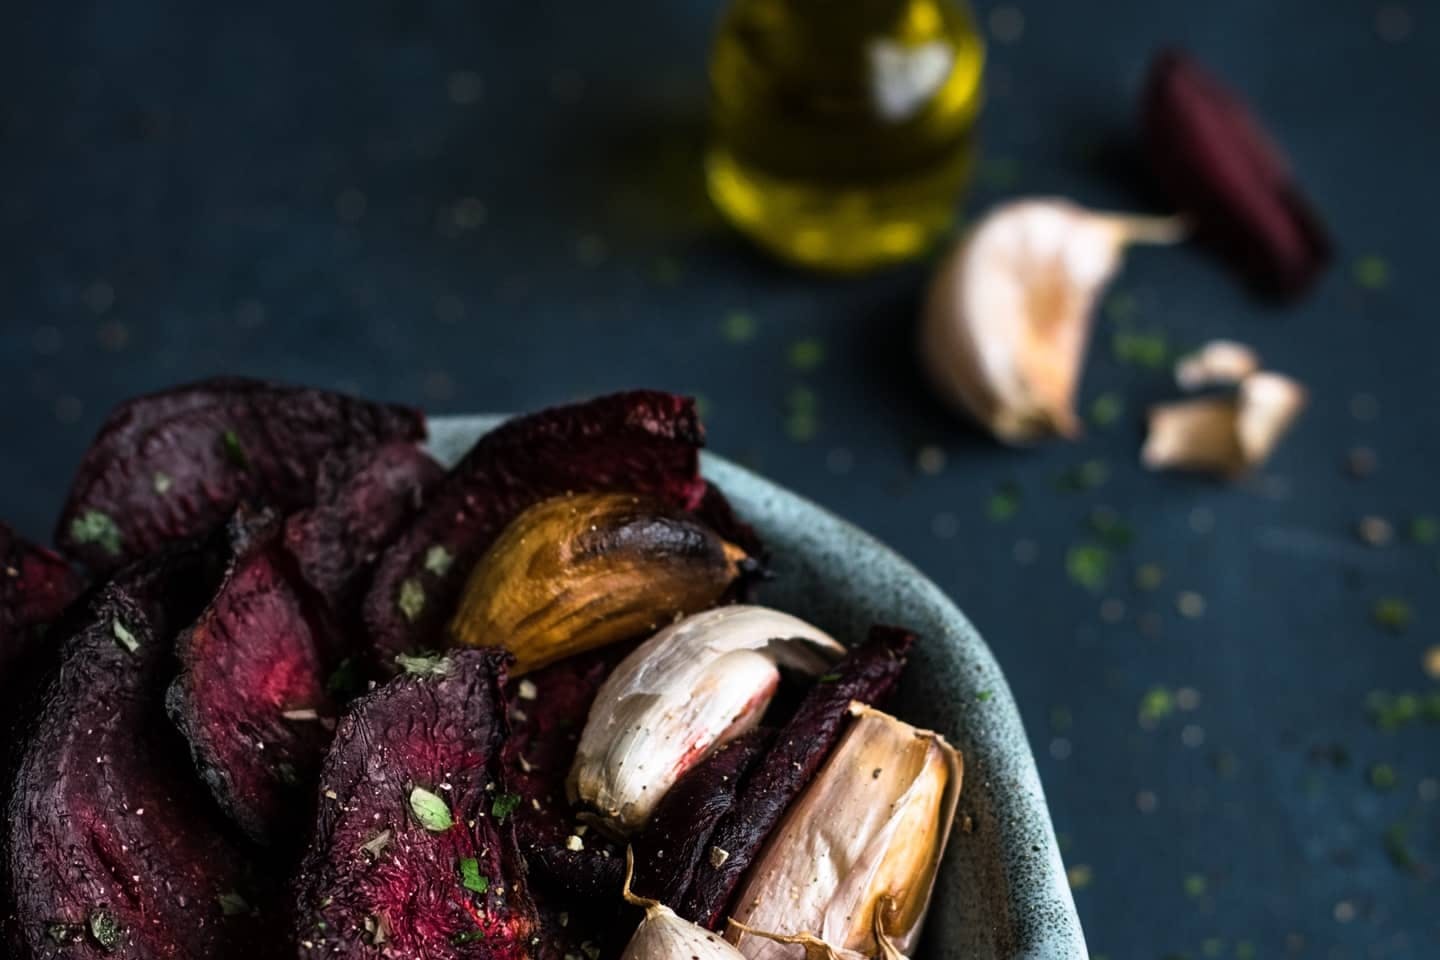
(1225,435)
(853,863)
(690,688)
(664,936)
(1008,316)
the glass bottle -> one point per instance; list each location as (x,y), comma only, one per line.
(843,130)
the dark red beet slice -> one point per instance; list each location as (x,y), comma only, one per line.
(362,502)
(174,464)
(250,694)
(414,853)
(678,835)
(869,674)
(113,848)
(548,709)
(645,442)
(36,585)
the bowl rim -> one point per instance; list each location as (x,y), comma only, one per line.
(1040,921)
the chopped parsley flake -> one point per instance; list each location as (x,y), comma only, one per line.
(232,904)
(98,528)
(984,695)
(124,637)
(1383,777)
(1088,564)
(470,876)
(422,665)
(1085,476)
(807,354)
(829,678)
(105,930)
(1004,503)
(1425,530)
(1397,847)
(412,599)
(467,936)
(1392,614)
(801,414)
(432,812)
(438,560)
(1106,409)
(162,482)
(1148,350)
(1371,272)
(1110,528)
(1080,876)
(234,450)
(1196,885)
(738,327)
(1157,704)
(1390,712)
(504,805)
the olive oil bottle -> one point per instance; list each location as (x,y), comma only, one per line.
(842,130)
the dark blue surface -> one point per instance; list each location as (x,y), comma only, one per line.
(282,190)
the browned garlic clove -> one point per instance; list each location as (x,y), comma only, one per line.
(854,861)
(693,686)
(1217,363)
(663,935)
(1224,435)
(1008,317)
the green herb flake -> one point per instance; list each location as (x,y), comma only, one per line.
(1392,613)
(1196,885)
(1212,947)
(830,678)
(234,450)
(432,812)
(1425,530)
(738,327)
(1083,477)
(1106,409)
(807,354)
(124,637)
(105,930)
(411,600)
(1244,950)
(504,805)
(98,528)
(1080,876)
(1149,576)
(1088,564)
(802,414)
(466,936)
(1397,847)
(1107,525)
(470,876)
(438,560)
(232,904)
(1121,306)
(1371,272)
(1157,704)
(1004,503)
(1150,350)
(1383,777)
(162,482)
(984,695)
(423,665)
(64,933)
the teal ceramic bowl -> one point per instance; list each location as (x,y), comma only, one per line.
(1002,893)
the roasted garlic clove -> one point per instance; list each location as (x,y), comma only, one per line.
(1008,316)
(1224,435)
(580,571)
(1217,363)
(664,936)
(693,686)
(854,861)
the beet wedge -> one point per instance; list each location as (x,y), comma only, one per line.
(868,675)
(112,846)
(362,502)
(250,694)
(642,442)
(174,464)
(413,854)
(36,586)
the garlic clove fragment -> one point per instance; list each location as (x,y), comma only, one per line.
(853,863)
(1217,363)
(695,685)
(1008,316)
(1224,435)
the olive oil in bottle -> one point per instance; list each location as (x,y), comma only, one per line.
(843,129)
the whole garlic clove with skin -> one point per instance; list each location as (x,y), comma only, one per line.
(695,685)
(1008,316)
(1224,435)
(663,935)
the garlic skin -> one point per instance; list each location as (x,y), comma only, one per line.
(1008,316)
(664,936)
(1224,435)
(695,685)
(1217,363)
(853,864)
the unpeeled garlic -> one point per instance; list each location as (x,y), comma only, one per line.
(693,686)
(1226,435)
(853,863)
(663,935)
(1008,317)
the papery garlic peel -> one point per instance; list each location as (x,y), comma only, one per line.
(853,864)
(1008,317)
(694,685)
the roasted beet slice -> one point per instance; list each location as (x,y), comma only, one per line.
(250,693)
(548,709)
(678,834)
(414,852)
(867,675)
(36,585)
(362,502)
(112,846)
(174,464)
(645,442)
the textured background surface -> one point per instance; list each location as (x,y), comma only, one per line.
(480,207)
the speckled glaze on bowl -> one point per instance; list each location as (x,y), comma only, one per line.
(1002,893)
